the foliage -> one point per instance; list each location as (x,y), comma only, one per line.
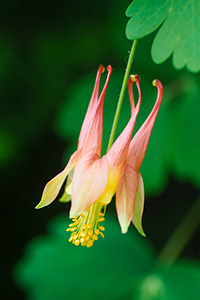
(117,267)
(179,32)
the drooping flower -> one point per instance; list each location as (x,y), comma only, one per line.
(92,181)
(130,190)
(91,210)
(123,160)
(89,144)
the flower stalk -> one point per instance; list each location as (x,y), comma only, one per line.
(121,96)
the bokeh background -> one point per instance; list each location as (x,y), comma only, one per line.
(49,54)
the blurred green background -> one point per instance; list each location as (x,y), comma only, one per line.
(49,55)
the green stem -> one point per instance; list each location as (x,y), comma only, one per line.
(181,235)
(121,96)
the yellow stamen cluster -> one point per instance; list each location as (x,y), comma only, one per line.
(86,227)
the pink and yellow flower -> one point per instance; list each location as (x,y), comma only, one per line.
(93,180)
(130,190)
(89,145)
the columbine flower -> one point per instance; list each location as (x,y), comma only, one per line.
(89,144)
(130,190)
(93,181)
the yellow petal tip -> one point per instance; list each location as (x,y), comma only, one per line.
(124,228)
(72,214)
(141,232)
(40,205)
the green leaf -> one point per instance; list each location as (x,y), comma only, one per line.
(179,34)
(53,268)
(146,16)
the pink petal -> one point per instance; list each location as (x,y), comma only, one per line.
(53,187)
(139,143)
(90,138)
(130,89)
(139,206)
(125,196)
(118,152)
(95,93)
(89,182)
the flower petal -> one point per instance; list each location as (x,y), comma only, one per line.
(118,152)
(111,187)
(66,197)
(139,206)
(89,182)
(95,93)
(53,187)
(90,138)
(139,143)
(132,78)
(125,196)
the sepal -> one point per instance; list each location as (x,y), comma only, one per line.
(89,182)
(66,197)
(139,206)
(53,187)
(125,196)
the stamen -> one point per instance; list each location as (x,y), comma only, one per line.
(101,219)
(97,231)
(102,228)
(86,227)
(102,234)
(76,242)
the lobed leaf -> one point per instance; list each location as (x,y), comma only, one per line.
(178,35)
(146,16)
(52,268)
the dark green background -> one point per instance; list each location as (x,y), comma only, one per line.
(47,49)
